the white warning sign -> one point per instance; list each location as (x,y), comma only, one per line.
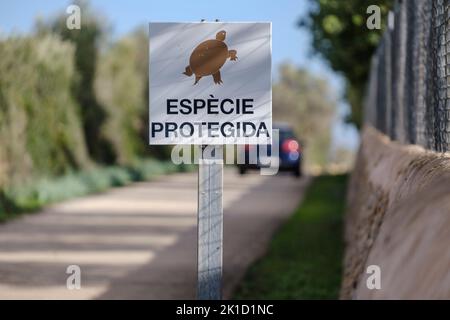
(210,83)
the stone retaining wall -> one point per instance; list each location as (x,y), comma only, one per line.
(398,218)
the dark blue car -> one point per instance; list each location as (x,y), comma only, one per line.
(289,158)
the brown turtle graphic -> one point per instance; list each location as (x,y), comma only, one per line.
(208,57)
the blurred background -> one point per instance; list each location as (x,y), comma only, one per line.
(73,99)
(74,121)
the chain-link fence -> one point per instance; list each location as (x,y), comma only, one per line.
(408,95)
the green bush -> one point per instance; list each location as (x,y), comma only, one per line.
(121,87)
(43,191)
(86,42)
(40,128)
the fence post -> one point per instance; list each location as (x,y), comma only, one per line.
(441,106)
(411,97)
(398,51)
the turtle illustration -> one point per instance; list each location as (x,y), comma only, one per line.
(208,57)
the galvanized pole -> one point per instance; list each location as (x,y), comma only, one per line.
(210,222)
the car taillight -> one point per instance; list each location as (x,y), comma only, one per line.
(290,145)
(292,148)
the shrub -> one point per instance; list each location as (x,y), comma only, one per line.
(40,128)
(47,190)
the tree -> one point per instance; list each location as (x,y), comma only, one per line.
(86,41)
(121,87)
(306,102)
(40,128)
(340,35)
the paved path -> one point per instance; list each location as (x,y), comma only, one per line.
(139,242)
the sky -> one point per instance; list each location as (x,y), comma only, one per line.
(289,43)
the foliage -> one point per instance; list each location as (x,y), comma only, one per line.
(40,126)
(304,259)
(121,86)
(86,42)
(69,104)
(340,35)
(306,102)
(35,194)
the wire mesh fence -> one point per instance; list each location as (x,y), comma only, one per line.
(408,96)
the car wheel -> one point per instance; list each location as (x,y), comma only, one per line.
(242,170)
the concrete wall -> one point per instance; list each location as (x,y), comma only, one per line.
(398,218)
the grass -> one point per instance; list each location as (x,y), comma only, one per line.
(304,258)
(40,192)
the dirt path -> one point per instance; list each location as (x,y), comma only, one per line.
(139,242)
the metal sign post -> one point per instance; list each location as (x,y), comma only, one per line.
(210,222)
